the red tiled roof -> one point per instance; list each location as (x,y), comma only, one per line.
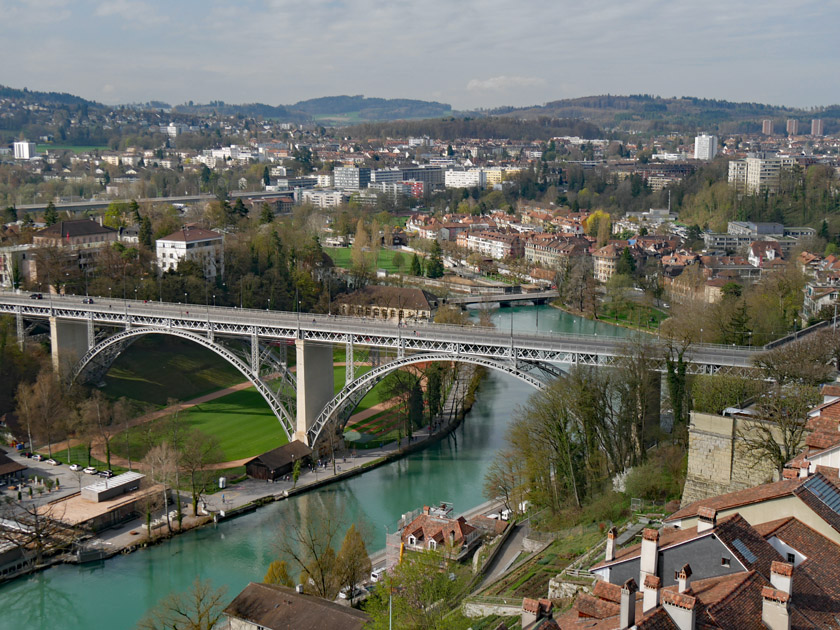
(736,499)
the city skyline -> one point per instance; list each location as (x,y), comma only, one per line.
(471,55)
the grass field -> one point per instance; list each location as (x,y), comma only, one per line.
(157,367)
(634,315)
(242,422)
(341,258)
(79,455)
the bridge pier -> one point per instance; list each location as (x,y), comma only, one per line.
(69,341)
(315,386)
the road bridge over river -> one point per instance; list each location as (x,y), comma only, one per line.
(87,337)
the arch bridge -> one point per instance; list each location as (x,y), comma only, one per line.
(86,338)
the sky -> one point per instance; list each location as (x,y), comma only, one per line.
(469,53)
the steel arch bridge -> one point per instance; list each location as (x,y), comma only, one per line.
(353,392)
(100,357)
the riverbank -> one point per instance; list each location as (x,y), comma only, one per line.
(612,322)
(248,495)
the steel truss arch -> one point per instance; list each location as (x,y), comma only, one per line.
(287,422)
(357,389)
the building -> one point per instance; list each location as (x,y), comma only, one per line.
(351,177)
(604,262)
(204,247)
(767,127)
(740,234)
(792,127)
(389,303)
(275,607)
(758,172)
(278,462)
(705,147)
(495,245)
(324,198)
(817,127)
(17,265)
(474,178)
(24,150)
(80,234)
(435,529)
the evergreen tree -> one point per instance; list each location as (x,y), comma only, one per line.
(823,233)
(626,264)
(50,214)
(434,268)
(10,214)
(134,208)
(145,234)
(266,215)
(239,208)
(416,267)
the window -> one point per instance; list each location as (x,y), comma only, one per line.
(412,540)
(724,562)
(791,558)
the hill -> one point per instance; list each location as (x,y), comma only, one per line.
(361,108)
(250,110)
(647,113)
(34,97)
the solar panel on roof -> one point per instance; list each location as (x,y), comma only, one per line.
(749,556)
(825,492)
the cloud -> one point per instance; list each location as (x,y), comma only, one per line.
(503,83)
(132,11)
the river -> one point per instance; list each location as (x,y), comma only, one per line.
(117,592)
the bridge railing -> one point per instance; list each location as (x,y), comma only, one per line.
(350,324)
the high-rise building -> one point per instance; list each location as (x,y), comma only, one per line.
(351,177)
(767,127)
(792,127)
(24,150)
(758,172)
(705,147)
(817,127)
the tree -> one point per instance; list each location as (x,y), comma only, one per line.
(104,416)
(199,450)
(416,266)
(162,462)
(295,473)
(777,433)
(434,266)
(199,608)
(278,573)
(352,565)
(10,214)
(37,529)
(266,215)
(398,260)
(145,232)
(42,408)
(626,264)
(806,361)
(50,214)
(266,178)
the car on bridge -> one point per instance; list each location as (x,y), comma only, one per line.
(36,296)
(88,300)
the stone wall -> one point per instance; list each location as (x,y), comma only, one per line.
(718,459)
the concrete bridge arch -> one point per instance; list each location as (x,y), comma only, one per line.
(111,347)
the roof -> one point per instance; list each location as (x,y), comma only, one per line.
(732,500)
(438,528)
(274,607)
(8,466)
(282,455)
(395,297)
(72,229)
(191,234)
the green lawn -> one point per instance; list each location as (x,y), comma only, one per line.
(341,258)
(158,367)
(634,315)
(79,455)
(242,422)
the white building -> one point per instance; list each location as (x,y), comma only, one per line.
(465,179)
(705,147)
(191,243)
(324,198)
(24,150)
(758,172)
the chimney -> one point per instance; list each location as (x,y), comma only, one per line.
(803,470)
(775,608)
(706,519)
(627,610)
(425,509)
(781,577)
(650,554)
(683,578)
(610,554)
(651,593)
(681,608)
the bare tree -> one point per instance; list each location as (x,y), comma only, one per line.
(42,407)
(808,361)
(162,462)
(199,608)
(38,530)
(777,433)
(199,450)
(104,418)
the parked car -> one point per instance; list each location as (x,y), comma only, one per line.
(105,473)
(87,300)
(37,457)
(377,574)
(53,462)
(75,467)
(357,591)
(26,454)
(36,296)
(90,470)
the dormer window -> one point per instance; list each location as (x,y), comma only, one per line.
(412,540)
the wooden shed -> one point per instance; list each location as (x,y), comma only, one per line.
(278,462)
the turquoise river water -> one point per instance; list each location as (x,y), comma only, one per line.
(117,592)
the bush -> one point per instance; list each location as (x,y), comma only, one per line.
(660,478)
